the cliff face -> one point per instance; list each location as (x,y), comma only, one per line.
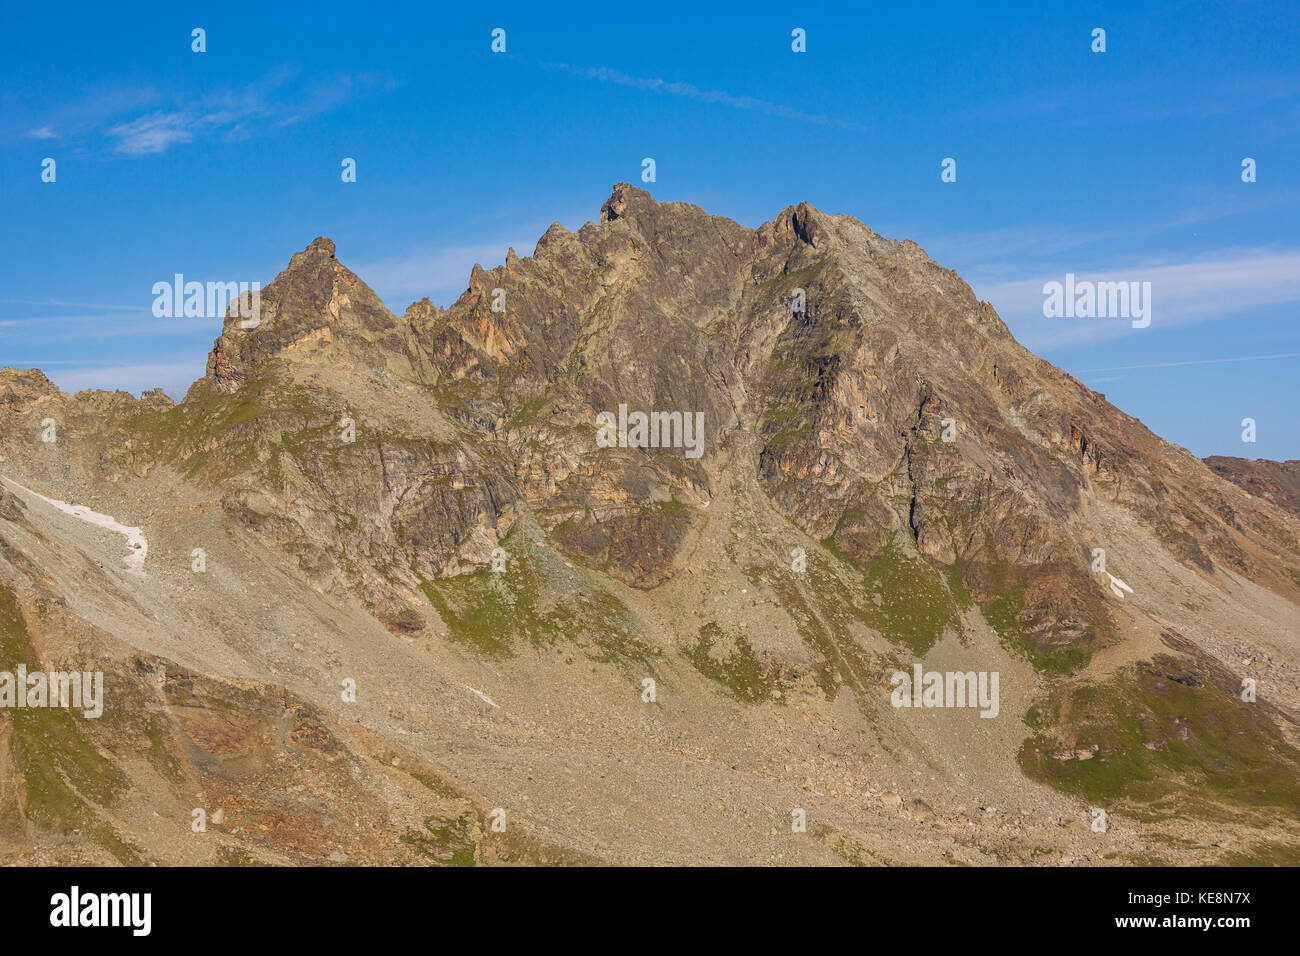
(877,394)
(947,489)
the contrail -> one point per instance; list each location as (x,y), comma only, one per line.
(1244,358)
(658,85)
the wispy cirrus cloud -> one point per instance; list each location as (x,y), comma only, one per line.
(72,121)
(84,322)
(144,122)
(172,377)
(689,91)
(440,273)
(90,328)
(1154,102)
(1197,290)
(1210,361)
(60,303)
(995,254)
(153,133)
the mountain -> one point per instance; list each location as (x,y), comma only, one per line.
(1276,481)
(410,577)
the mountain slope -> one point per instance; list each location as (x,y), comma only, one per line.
(1276,481)
(350,475)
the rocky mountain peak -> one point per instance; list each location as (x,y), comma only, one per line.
(321,246)
(807,225)
(624,202)
(315,309)
(876,475)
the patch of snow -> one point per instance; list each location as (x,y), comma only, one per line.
(1116,584)
(483,696)
(137,545)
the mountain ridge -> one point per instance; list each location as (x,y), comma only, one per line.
(948,489)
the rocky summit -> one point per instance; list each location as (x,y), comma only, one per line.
(677,542)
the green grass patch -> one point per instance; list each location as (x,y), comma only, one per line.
(730,661)
(537,601)
(444,842)
(1172,730)
(914,603)
(64,773)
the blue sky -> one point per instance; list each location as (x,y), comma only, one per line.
(1117,165)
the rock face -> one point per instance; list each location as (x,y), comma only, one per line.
(453,475)
(846,402)
(309,304)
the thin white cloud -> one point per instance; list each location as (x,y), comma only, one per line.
(1153,102)
(275,100)
(59,303)
(1108,378)
(1181,293)
(1220,206)
(1007,251)
(689,91)
(84,328)
(173,377)
(36,322)
(76,119)
(442,274)
(152,133)
(996,253)
(1212,361)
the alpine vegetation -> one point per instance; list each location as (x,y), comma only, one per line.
(383,544)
